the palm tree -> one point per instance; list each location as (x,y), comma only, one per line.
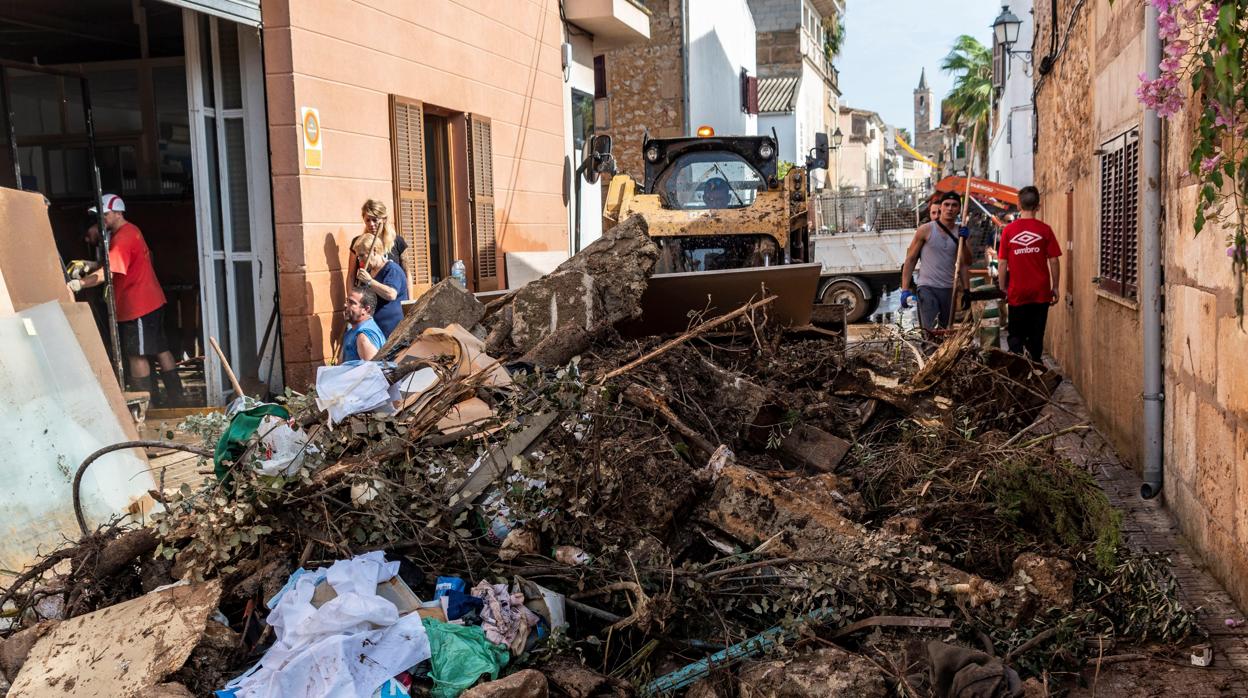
(971,97)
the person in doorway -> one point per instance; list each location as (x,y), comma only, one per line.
(363,338)
(1028,272)
(934,249)
(377,222)
(139,300)
(381,275)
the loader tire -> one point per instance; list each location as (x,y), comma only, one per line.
(847,293)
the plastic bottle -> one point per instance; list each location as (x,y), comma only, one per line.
(460,273)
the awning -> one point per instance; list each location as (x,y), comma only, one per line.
(241,11)
(778,95)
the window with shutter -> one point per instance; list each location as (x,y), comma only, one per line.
(749,93)
(407,146)
(1119,215)
(481,203)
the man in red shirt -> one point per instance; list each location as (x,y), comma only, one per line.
(139,300)
(1028,273)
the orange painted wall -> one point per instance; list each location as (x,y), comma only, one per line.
(497,59)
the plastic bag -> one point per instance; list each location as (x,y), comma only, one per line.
(282,447)
(461,655)
(352,388)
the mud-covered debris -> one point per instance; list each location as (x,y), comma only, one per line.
(528,683)
(827,672)
(815,449)
(446,303)
(1050,579)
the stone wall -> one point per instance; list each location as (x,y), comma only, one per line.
(779,52)
(1206,381)
(776,15)
(645,88)
(1096,337)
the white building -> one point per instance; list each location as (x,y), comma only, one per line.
(719,39)
(798,93)
(863,157)
(1009,152)
(589,29)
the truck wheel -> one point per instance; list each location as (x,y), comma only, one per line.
(848,294)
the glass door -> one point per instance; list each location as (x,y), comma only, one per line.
(232,201)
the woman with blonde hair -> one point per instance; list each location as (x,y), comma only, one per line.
(377,222)
(380,274)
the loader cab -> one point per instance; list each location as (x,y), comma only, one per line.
(709,173)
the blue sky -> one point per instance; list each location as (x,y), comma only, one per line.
(887,43)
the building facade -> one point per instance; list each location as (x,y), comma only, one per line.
(863,160)
(799,95)
(692,72)
(245,135)
(1088,167)
(1009,147)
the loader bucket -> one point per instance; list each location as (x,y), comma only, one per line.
(674,302)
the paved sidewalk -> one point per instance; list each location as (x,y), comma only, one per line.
(1149,525)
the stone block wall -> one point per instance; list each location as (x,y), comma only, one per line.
(1096,337)
(645,88)
(779,52)
(776,15)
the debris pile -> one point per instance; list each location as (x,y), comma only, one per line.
(521,500)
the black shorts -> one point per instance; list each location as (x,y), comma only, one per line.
(144,336)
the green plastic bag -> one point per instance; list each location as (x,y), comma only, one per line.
(233,440)
(461,655)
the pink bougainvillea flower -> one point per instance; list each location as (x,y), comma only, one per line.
(1210,164)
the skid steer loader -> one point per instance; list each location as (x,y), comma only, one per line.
(728,226)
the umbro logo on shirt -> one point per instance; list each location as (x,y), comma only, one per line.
(1026,238)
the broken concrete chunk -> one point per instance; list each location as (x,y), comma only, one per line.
(444,304)
(827,672)
(599,286)
(832,493)
(529,683)
(121,650)
(814,448)
(753,509)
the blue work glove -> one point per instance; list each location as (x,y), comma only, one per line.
(964,232)
(906,297)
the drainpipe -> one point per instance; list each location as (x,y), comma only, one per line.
(1150,270)
(684,57)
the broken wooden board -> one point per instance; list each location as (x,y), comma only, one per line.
(28,259)
(120,651)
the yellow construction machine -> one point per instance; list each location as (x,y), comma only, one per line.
(728,226)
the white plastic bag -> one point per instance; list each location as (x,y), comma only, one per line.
(282,447)
(352,388)
(349,646)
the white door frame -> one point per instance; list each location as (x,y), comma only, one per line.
(255,139)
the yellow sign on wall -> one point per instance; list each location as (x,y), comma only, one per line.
(311,119)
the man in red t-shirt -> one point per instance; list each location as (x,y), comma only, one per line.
(1028,273)
(139,300)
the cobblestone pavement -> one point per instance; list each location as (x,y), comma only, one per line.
(1149,525)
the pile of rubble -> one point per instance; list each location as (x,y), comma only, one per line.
(521,500)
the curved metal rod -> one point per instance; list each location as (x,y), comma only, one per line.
(142,443)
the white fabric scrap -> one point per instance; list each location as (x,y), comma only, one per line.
(352,388)
(349,646)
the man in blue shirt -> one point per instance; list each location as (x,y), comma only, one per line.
(363,337)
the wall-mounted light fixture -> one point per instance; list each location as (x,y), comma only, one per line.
(1005,29)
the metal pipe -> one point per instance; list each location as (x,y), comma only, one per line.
(106,236)
(1150,271)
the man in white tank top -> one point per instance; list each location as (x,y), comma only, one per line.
(934,249)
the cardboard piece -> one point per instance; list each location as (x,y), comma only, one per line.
(29,261)
(120,650)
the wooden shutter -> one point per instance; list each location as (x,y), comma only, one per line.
(407,145)
(749,93)
(1120,190)
(481,203)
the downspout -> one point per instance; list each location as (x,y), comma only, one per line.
(1150,271)
(684,57)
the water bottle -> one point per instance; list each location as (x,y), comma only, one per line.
(460,273)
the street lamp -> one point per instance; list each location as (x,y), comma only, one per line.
(1005,29)
(837,138)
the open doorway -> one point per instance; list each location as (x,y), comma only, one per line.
(177,103)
